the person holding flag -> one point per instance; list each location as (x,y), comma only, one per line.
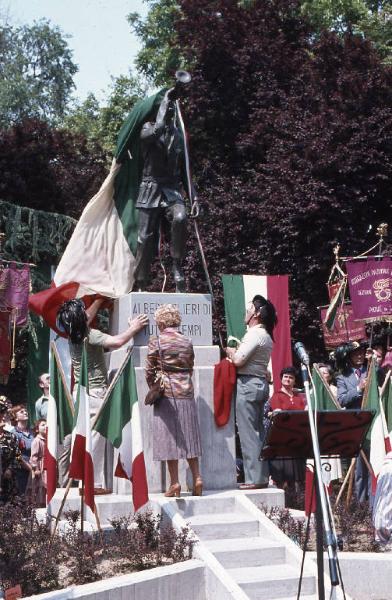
(75,320)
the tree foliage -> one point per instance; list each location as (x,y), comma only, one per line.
(36,73)
(371,19)
(48,169)
(100,124)
(160,55)
(291,145)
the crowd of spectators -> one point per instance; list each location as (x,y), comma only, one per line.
(22,451)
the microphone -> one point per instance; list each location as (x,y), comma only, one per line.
(300,351)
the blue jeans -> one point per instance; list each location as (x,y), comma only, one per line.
(252,393)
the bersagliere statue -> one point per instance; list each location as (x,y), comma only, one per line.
(164,183)
(116,239)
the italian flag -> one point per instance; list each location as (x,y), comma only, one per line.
(338,291)
(375,434)
(119,422)
(321,398)
(238,291)
(100,256)
(81,466)
(59,419)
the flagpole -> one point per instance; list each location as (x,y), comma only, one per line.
(112,384)
(345,481)
(62,375)
(61,506)
(194,214)
(81,491)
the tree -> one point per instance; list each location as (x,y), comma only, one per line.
(48,169)
(100,124)
(290,139)
(36,73)
(371,19)
(161,55)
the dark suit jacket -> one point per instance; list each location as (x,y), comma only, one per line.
(347,386)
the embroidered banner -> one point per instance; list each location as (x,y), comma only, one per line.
(5,345)
(370,285)
(17,295)
(4,285)
(345,329)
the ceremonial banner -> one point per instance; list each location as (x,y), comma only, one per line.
(239,290)
(17,293)
(4,284)
(370,284)
(5,345)
(345,329)
(14,291)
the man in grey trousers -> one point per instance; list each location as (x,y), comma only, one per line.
(251,359)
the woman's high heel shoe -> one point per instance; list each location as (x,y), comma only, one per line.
(173,491)
(198,487)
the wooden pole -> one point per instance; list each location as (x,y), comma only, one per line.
(61,506)
(81,490)
(97,519)
(350,486)
(345,481)
(112,384)
(367,463)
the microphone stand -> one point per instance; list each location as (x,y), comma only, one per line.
(322,506)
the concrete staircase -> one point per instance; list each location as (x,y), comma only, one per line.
(258,560)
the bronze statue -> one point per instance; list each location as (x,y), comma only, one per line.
(160,202)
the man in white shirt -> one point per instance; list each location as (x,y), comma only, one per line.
(251,359)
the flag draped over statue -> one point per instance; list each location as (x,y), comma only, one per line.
(100,256)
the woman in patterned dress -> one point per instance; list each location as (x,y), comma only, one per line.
(176,432)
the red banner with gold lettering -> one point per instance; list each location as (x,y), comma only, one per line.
(370,285)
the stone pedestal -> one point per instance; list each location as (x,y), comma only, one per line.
(218,444)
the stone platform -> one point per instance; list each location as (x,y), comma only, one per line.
(217,463)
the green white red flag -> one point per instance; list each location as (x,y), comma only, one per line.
(375,434)
(322,398)
(100,256)
(59,420)
(238,291)
(335,303)
(81,466)
(119,422)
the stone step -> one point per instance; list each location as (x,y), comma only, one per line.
(272,581)
(247,552)
(302,597)
(224,525)
(109,506)
(192,506)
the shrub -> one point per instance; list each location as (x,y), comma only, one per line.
(30,558)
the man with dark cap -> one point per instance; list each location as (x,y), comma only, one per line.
(352,380)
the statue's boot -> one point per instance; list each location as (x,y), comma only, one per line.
(179,277)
